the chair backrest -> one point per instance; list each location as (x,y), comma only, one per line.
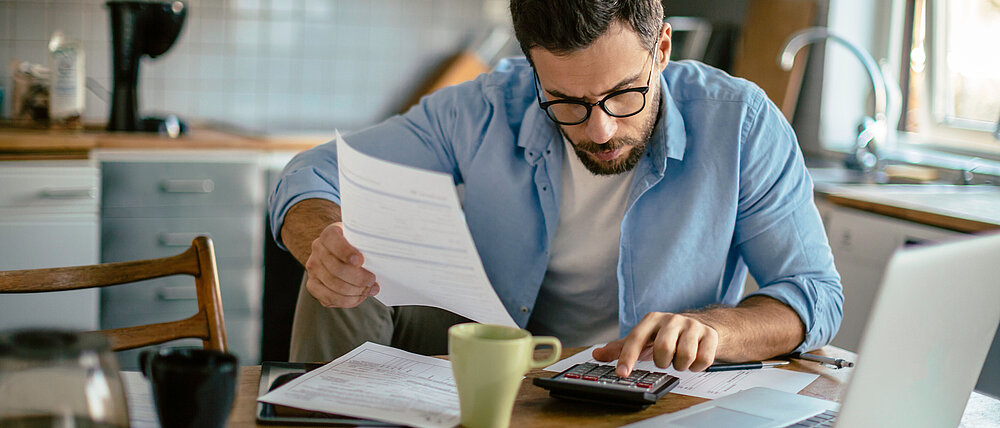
(197,261)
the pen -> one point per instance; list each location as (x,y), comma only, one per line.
(744,366)
(834,362)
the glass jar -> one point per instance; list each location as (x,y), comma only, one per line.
(59,378)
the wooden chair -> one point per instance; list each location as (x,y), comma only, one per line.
(197,261)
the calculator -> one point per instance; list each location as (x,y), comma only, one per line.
(598,383)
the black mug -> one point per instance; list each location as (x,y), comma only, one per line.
(191,387)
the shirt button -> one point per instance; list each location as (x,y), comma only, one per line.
(544,188)
(524,309)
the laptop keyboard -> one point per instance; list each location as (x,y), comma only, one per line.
(824,419)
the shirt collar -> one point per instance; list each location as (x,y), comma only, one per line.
(669,138)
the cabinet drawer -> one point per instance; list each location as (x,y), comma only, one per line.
(198,187)
(235,238)
(241,289)
(49,189)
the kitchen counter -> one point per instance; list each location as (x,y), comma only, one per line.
(22,144)
(968,209)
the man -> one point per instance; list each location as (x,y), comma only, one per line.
(613,196)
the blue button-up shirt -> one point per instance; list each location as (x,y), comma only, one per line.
(722,190)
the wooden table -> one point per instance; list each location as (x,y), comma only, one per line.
(535,408)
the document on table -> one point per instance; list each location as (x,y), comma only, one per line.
(708,385)
(408,224)
(141,411)
(377,382)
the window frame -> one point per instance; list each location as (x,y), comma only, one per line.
(937,126)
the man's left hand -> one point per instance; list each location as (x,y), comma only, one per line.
(666,338)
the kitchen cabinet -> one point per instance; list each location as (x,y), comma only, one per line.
(154,207)
(862,243)
(49,218)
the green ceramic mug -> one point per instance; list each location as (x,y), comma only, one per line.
(488,362)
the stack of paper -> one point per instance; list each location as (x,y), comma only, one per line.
(377,382)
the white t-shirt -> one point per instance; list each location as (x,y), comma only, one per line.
(578,301)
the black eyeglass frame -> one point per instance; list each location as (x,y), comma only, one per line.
(641,89)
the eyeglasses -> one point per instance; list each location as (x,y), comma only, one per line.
(621,103)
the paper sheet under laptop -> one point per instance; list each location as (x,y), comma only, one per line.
(708,385)
(411,229)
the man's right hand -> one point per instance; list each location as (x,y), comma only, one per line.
(336,278)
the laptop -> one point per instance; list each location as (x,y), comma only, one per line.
(928,334)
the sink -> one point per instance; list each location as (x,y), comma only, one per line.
(835,175)
(893,174)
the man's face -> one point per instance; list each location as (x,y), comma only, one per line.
(617,60)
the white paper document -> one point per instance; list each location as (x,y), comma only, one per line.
(410,227)
(708,385)
(377,382)
(141,410)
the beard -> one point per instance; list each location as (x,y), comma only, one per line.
(619,165)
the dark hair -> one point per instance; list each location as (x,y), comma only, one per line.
(564,26)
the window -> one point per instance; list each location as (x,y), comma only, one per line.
(953,93)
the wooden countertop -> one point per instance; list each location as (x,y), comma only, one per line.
(24,144)
(535,408)
(968,209)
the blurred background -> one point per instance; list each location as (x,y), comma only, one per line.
(259,80)
(266,65)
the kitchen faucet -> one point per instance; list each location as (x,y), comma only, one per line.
(996,132)
(871,132)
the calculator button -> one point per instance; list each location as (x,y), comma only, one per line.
(643,384)
(637,374)
(571,375)
(653,377)
(601,371)
(589,377)
(624,382)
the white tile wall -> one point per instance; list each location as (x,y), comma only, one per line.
(268,65)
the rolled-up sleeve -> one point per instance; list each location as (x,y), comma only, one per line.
(311,174)
(779,232)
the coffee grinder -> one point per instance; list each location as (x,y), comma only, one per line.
(140,28)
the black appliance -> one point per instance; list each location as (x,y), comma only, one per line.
(140,28)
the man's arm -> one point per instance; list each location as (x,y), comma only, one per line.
(304,222)
(758,328)
(313,233)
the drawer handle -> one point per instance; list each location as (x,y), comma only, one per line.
(178,239)
(177,292)
(188,186)
(69,193)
